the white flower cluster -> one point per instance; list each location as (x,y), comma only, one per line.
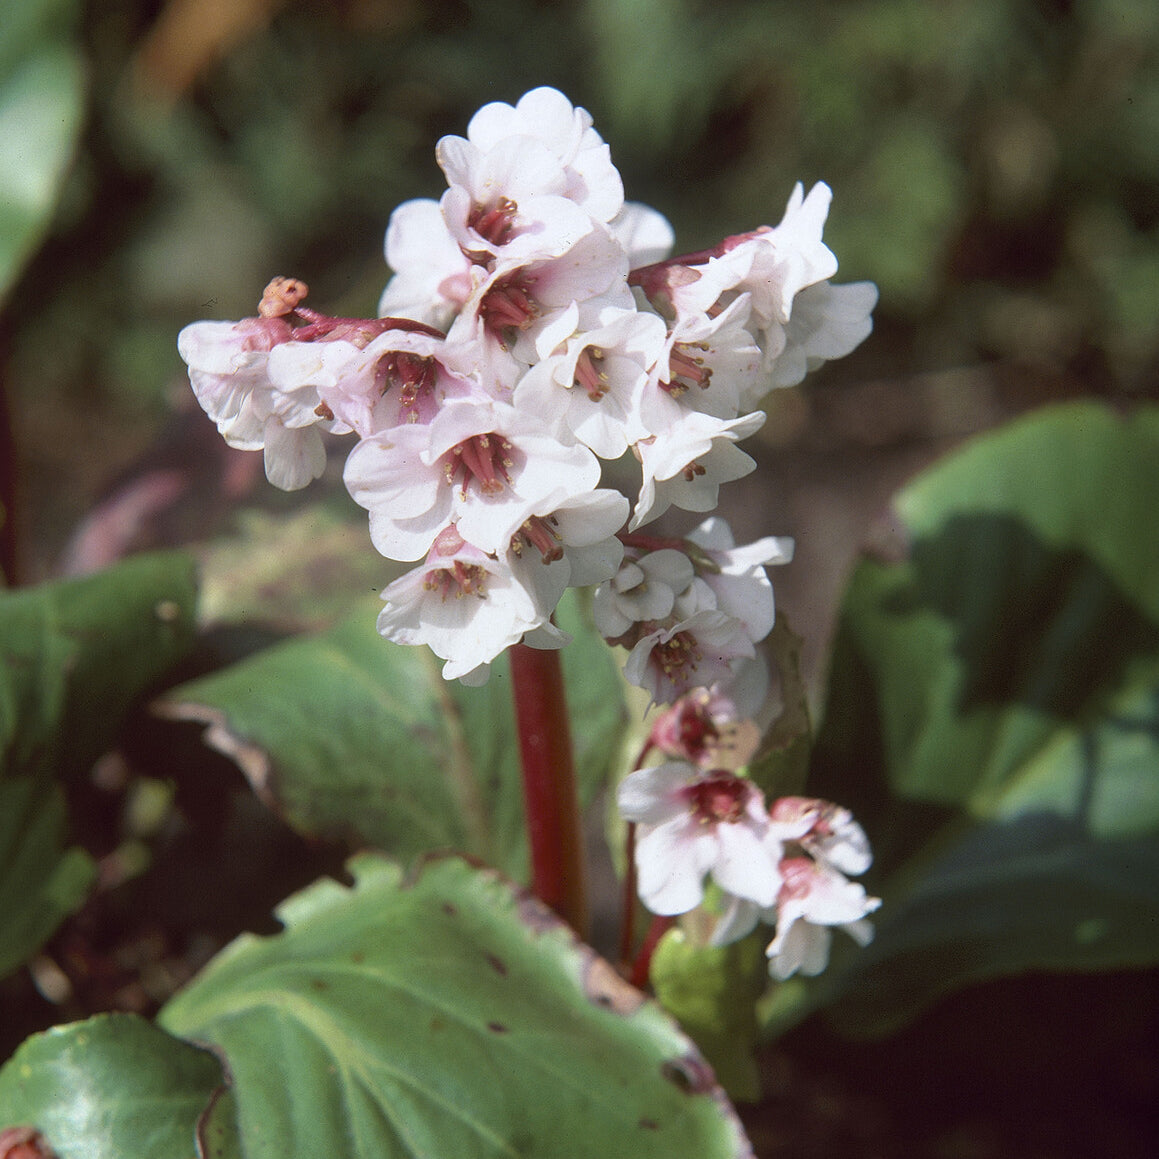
(534,327)
(786,865)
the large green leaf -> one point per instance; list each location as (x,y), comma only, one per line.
(444,1015)
(994,715)
(348,735)
(113,1087)
(41,105)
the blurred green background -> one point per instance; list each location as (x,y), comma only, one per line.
(995,165)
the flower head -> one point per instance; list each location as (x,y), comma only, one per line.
(693,825)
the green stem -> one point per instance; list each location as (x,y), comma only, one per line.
(551,803)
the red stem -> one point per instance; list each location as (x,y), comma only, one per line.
(554,827)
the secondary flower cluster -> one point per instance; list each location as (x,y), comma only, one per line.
(786,865)
(534,327)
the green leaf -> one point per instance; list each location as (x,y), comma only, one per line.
(712,992)
(74,655)
(41,883)
(994,715)
(348,735)
(41,107)
(111,1087)
(301,570)
(444,1015)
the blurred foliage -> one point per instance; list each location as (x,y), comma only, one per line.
(994,161)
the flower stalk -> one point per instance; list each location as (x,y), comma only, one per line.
(550,797)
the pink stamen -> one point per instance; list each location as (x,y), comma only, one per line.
(482,459)
(719,797)
(539,533)
(458,580)
(415,376)
(494,225)
(508,304)
(588,375)
(686,369)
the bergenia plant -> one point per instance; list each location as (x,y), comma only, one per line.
(535,329)
(542,385)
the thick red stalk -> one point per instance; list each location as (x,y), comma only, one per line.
(554,827)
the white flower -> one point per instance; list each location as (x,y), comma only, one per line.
(432,276)
(592,376)
(828,833)
(464,604)
(827,322)
(480,464)
(401,376)
(508,203)
(692,825)
(709,364)
(737,576)
(685,464)
(692,653)
(643,589)
(548,117)
(574,545)
(813,899)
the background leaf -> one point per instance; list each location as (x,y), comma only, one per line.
(41,105)
(41,882)
(74,656)
(442,1015)
(349,736)
(994,716)
(77,653)
(110,1087)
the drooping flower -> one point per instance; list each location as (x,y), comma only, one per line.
(694,825)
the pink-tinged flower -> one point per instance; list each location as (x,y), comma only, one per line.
(546,116)
(574,545)
(644,589)
(692,653)
(481,465)
(464,604)
(709,363)
(399,377)
(693,825)
(736,575)
(814,898)
(592,376)
(685,464)
(828,833)
(229,371)
(512,304)
(508,203)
